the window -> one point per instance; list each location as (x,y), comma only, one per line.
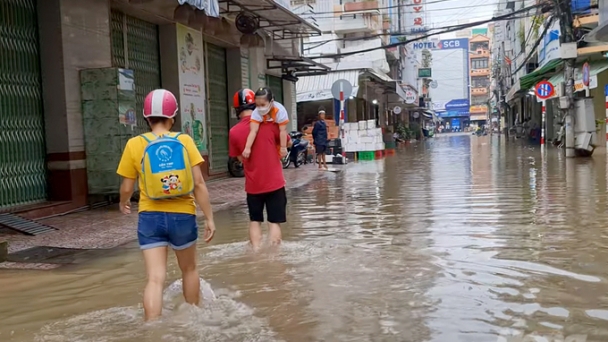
(479,63)
(480,82)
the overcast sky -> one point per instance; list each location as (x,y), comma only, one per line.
(441,13)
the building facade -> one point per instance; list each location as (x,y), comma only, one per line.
(479,57)
(73,75)
(347,28)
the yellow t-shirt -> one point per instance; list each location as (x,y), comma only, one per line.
(130,167)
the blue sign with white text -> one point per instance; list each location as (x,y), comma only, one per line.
(454,113)
(450,44)
(458,105)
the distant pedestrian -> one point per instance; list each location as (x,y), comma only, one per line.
(264,180)
(167,166)
(319,136)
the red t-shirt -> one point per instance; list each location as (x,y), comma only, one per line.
(263,169)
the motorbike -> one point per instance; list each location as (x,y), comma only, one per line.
(235,167)
(298,152)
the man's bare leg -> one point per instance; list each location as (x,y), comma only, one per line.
(191,285)
(156,268)
(274,233)
(324,163)
(255,235)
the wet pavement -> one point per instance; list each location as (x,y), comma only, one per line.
(107,228)
(459,238)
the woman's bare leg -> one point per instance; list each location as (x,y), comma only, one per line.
(156,269)
(186,259)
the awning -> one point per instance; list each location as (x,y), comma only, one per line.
(394,86)
(523,84)
(595,67)
(296,66)
(528,81)
(274,16)
(315,88)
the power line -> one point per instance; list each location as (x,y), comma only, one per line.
(390,7)
(536,44)
(399,34)
(455,28)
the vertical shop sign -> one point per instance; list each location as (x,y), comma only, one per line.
(192,85)
(418,17)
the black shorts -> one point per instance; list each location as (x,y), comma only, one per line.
(275,203)
(320,149)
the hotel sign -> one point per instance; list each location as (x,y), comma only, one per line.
(418,19)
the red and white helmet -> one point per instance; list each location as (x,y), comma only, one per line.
(160,103)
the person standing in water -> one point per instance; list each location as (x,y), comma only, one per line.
(167,166)
(319,136)
(264,180)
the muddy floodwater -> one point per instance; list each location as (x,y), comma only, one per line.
(459,238)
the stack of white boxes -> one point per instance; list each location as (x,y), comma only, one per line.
(362,136)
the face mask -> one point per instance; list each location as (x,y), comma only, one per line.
(264,110)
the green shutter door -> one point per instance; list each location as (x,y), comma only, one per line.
(22,148)
(218,107)
(143,57)
(276,85)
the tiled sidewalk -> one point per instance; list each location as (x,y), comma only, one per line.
(108,228)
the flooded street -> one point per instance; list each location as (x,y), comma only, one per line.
(458,238)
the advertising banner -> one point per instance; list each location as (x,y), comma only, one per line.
(192,85)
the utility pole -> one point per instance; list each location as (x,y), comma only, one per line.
(564,9)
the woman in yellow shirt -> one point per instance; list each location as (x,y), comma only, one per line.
(165,222)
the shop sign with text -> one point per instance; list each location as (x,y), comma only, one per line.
(418,17)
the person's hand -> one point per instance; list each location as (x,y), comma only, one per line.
(125,207)
(209,230)
(283,151)
(247,153)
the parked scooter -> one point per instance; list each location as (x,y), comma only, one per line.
(298,152)
(235,167)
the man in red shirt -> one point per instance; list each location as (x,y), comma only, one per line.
(264,181)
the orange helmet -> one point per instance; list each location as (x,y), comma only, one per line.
(243,99)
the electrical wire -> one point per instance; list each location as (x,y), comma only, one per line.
(400,34)
(508,16)
(315,14)
(536,45)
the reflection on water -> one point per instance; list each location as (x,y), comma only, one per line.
(456,239)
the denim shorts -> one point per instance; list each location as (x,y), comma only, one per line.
(159,229)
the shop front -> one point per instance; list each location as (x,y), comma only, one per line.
(23,169)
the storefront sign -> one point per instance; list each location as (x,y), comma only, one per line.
(245,71)
(478,109)
(192,85)
(478,117)
(445,44)
(424,73)
(550,46)
(461,105)
(579,86)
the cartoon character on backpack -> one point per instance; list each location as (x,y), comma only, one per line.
(166,185)
(174,183)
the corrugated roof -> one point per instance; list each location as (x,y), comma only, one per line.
(314,88)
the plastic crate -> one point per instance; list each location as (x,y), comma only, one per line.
(366,155)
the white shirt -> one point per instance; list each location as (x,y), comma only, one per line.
(280,115)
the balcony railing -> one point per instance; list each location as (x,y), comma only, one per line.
(357,17)
(479,53)
(479,91)
(480,72)
(360,6)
